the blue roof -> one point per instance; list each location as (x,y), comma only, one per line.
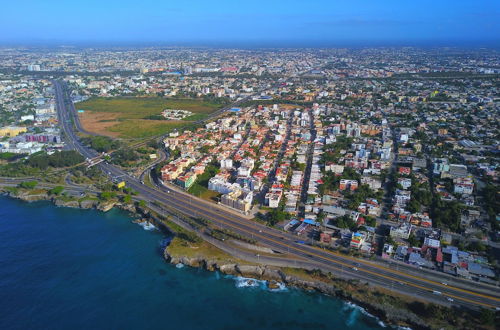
(310,221)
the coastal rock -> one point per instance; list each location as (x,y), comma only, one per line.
(127,207)
(273,285)
(273,274)
(211,265)
(275,278)
(229,269)
(29,197)
(193,262)
(71,203)
(248,270)
(105,207)
(88,204)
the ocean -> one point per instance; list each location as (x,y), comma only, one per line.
(64,268)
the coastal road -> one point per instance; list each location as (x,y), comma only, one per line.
(185,204)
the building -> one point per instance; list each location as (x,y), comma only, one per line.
(463,186)
(373,183)
(221,185)
(357,240)
(273,199)
(187,180)
(239,200)
(226,163)
(404,170)
(402,231)
(458,171)
(348,184)
(404,182)
(12,130)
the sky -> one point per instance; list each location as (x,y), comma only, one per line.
(251,22)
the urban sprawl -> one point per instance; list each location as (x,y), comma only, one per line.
(390,153)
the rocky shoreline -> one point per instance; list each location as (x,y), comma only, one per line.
(28,196)
(276,276)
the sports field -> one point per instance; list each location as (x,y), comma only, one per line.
(138,117)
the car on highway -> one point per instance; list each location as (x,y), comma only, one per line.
(450,299)
(300,242)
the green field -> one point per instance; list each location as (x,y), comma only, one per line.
(143,107)
(139,117)
(141,128)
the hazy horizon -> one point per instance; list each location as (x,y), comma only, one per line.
(318,23)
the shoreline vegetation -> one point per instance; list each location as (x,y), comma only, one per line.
(195,244)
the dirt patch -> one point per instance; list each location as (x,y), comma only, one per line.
(290,106)
(100,122)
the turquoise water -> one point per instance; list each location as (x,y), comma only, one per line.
(63,268)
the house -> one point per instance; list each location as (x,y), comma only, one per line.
(187,180)
(404,182)
(357,239)
(402,231)
(373,183)
(404,170)
(348,184)
(463,186)
(335,168)
(226,163)
(272,199)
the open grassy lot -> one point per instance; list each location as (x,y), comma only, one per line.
(142,128)
(143,107)
(138,117)
(203,192)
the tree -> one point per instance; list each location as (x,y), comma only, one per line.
(28,184)
(414,206)
(64,158)
(107,195)
(345,221)
(276,216)
(371,221)
(476,246)
(56,190)
(127,199)
(487,316)
(413,241)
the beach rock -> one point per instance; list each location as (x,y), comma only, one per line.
(88,204)
(26,196)
(229,269)
(273,285)
(128,207)
(273,274)
(105,207)
(248,270)
(193,262)
(211,266)
(63,203)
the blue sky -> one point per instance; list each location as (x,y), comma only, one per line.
(271,22)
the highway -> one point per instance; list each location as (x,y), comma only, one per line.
(338,264)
